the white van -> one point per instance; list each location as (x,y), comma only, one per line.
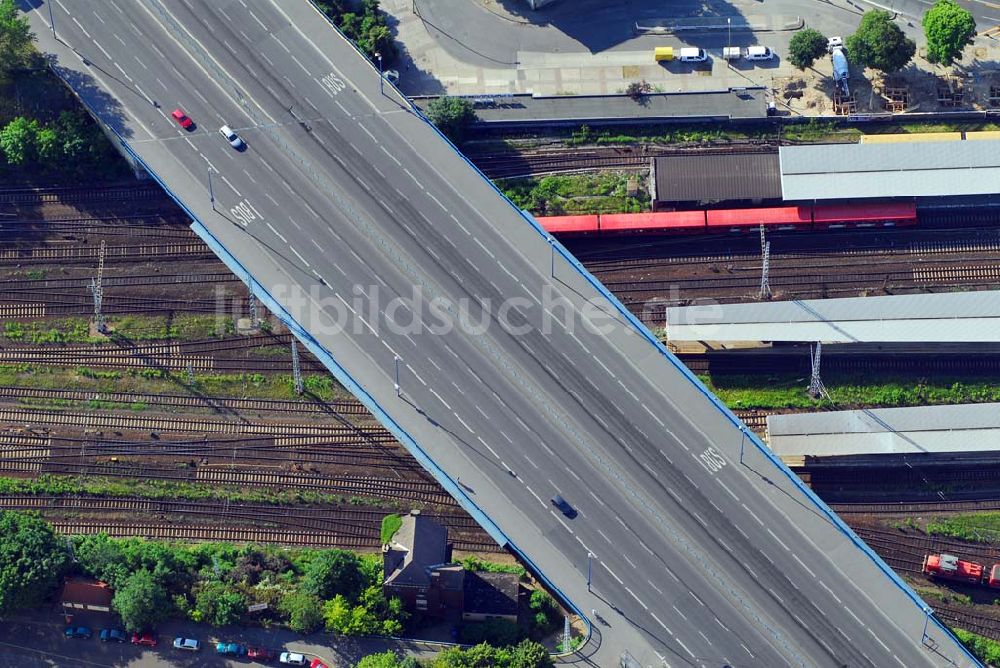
(693,55)
(759,53)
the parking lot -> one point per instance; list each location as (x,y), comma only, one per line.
(37,640)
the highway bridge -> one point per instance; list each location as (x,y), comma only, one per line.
(507,370)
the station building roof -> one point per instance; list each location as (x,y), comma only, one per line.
(895,169)
(956,317)
(924,429)
(717,178)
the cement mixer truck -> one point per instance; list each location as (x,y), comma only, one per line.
(835,45)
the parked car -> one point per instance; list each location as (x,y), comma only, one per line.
(116,635)
(292,659)
(189,644)
(231,649)
(260,653)
(182,119)
(233,138)
(77,632)
(693,55)
(563,506)
(147,639)
(316,663)
(759,53)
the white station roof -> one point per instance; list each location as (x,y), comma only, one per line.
(880,170)
(955,317)
(925,429)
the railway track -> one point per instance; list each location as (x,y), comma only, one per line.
(351,407)
(911,508)
(959,617)
(346,521)
(156,425)
(114,254)
(60,194)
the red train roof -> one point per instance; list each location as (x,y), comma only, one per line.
(568,224)
(778,215)
(826,213)
(963,569)
(650,222)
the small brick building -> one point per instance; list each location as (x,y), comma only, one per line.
(85,594)
(417,568)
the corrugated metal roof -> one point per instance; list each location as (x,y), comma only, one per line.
(909,138)
(832,171)
(946,317)
(718,178)
(960,428)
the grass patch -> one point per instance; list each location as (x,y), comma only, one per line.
(849,390)
(943,596)
(61,330)
(154,381)
(390,525)
(603,192)
(472,563)
(976,527)
(986,650)
(133,327)
(94,485)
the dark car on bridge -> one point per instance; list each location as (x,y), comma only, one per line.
(563,506)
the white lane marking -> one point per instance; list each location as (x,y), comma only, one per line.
(726,487)
(504,434)
(611,572)
(752,514)
(596,498)
(98,45)
(535,495)
(249,176)
(318,247)
(280,43)
(394,158)
(459,223)
(665,628)
(851,613)
(829,591)
(780,542)
(122,42)
(746,649)
(277,233)
(367,132)
(690,653)
(410,174)
(488,251)
(695,597)
(254,17)
(650,583)
(487,445)
(343,109)
(637,599)
(80,26)
(531,461)
(459,417)
(298,255)
(801,563)
(879,640)
(653,415)
(124,73)
(630,562)
(446,405)
(139,60)
(610,372)
(437,201)
(416,375)
(229,183)
(603,535)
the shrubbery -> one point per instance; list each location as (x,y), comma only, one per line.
(367,27)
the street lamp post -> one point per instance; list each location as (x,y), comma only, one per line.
(381,78)
(590,568)
(52,19)
(729,39)
(211,192)
(396,384)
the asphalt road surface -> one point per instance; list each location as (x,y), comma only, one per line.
(705,552)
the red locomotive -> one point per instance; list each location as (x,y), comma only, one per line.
(950,567)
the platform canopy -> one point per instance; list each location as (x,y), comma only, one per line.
(955,317)
(923,429)
(881,170)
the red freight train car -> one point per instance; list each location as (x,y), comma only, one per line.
(664,222)
(749,220)
(874,214)
(569,225)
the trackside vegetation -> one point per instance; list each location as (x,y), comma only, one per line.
(214,583)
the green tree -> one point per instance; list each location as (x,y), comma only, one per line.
(452,115)
(387,660)
(101,557)
(75,135)
(32,561)
(529,654)
(948,28)
(546,612)
(806,47)
(304,612)
(880,44)
(334,572)
(19,140)
(219,605)
(337,614)
(141,601)
(16,39)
